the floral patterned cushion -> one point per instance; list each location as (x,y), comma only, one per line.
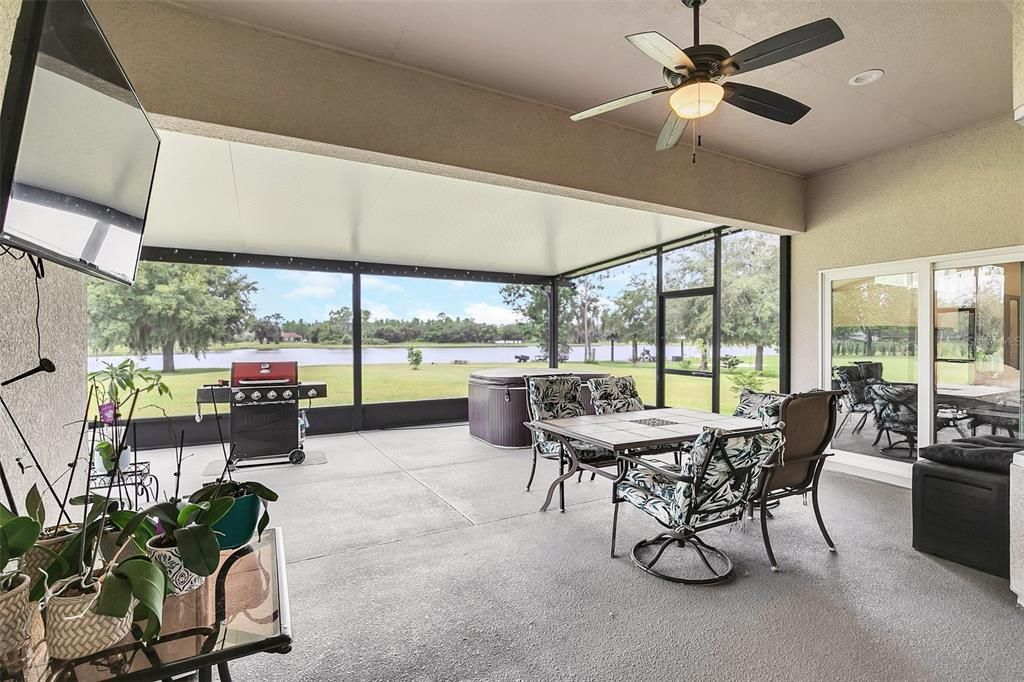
(895,407)
(722,480)
(615,394)
(585,451)
(762,406)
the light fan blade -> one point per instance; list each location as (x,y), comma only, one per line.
(770,105)
(671,132)
(662,50)
(787,45)
(619,103)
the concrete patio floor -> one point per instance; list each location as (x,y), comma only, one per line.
(416,554)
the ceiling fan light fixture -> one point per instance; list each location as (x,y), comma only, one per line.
(696,100)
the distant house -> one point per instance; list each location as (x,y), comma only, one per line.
(291,336)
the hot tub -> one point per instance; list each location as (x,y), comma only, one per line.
(497,403)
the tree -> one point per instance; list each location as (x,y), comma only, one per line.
(171,306)
(586,308)
(750,292)
(267,329)
(531,302)
(634,312)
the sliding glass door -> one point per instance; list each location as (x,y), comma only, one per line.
(924,352)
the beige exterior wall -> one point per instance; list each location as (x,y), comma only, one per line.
(205,69)
(956,193)
(44,403)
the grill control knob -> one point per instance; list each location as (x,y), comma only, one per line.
(271,395)
(239,396)
(312,393)
(287,394)
(256,395)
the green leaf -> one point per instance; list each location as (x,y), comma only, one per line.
(189,512)
(34,505)
(264,521)
(115,596)
(19,534)
(260,490)
(217,509)
(148,585)
(6,515)
(167,513)
(199,549)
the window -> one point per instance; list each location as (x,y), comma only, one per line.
(422,338)
(609,321)
(190,322)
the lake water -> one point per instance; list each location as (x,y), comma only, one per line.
(378,356)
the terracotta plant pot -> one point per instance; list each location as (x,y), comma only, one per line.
(237,527)
(15,615)
(182,579)
(74,630)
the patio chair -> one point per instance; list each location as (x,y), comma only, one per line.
(794,469)
(712,488)
(557,397)
(752,403)
(854,381)
(615,394)
(895,412)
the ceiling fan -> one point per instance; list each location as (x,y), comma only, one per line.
(695,75)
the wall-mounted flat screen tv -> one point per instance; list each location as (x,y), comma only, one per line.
(78,152)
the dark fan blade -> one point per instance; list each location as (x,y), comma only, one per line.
(671,132)
(764,103)
(619,103)
(662,50)
(783,46)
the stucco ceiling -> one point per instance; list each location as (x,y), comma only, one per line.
(230,196)
(947,62)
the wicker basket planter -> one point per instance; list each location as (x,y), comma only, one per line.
(15,615)
(35,558)
(182,580)
(74,630)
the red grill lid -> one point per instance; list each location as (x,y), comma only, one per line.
(243,373)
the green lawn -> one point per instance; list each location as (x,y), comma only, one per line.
(394,382)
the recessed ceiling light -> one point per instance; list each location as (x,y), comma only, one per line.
(865,77)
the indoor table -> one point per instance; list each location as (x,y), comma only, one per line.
(241,610)
(655,431)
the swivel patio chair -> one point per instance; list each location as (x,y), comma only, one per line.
(712,488)
(854,380)
(615,394)
(895,412)
(557,397)
(794,469)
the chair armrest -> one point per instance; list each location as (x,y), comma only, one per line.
(666,473)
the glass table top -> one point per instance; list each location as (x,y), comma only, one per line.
(241,609)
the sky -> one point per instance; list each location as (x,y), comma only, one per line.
(312,295)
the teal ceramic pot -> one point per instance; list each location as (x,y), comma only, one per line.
(237,527)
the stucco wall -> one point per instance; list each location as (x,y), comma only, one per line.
(205,69)
(44,403)
(955,193)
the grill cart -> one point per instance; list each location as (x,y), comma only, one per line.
(266,422)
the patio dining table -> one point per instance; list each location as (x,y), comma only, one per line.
(655,431)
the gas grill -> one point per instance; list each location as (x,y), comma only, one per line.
(266,421)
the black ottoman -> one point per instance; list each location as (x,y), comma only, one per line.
(962,503)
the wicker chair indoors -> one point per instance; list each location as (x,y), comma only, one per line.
(809,422)
(712,488)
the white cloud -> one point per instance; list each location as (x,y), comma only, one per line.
(492,314)
(425,314)
(380,284)
(313,285)
(379,311)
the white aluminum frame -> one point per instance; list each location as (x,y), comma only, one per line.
(883,469)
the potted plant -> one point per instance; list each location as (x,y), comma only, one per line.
(49,541)
(113,387)
(248,515)
(17,536)
(182,541)
(90,602)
